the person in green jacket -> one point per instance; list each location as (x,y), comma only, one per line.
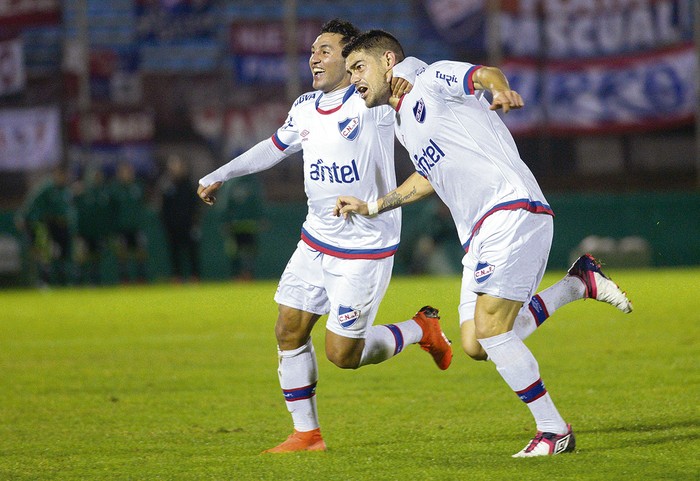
(48,219)
(95,211)
(128,199)
(243,210)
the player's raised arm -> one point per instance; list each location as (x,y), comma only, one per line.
(414,188)
(493,80)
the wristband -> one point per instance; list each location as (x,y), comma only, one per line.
(373,208)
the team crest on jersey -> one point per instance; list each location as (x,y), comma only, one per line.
(347,316)
(483,271)
(349,128)
(419,111)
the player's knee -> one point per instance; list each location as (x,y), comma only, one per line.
(470,344)
(343,361)
(344,358)
(290,336)
(474,350)
(477,355)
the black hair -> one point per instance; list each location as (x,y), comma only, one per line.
(341,27)
(375,40)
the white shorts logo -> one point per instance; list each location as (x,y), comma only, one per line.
(347,316)
(483,271)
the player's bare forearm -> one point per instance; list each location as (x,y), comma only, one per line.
(394,199)
(414,188)
(490,78)
(493,80)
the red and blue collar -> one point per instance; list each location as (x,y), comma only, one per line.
(351,90)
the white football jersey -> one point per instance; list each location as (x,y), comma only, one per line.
(347,150)
(464,149)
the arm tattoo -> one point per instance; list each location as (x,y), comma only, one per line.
(394,200)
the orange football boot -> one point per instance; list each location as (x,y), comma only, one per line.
(434,340)
(301,441)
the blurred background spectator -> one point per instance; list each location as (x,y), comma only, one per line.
(47,219)
(128,198)
(242,212)
(609,126)
(95,217)
(180,210)
(435,248)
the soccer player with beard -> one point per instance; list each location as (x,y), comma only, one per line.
(462,150)
(339,268)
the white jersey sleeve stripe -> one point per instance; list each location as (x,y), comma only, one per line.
(469,80)
(278,143)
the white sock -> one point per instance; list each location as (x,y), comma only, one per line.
(384,341)
(543,305)
(298,374)
(568,289)
(518,368)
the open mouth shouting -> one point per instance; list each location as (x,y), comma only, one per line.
(363,90)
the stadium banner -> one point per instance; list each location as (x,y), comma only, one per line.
(239,128)
(608,95)
(111,128)
(30,138)
(166,20)
(269,37)
(13,76)
(565,29)
(114,76)
(177,36)
(26,13)
(269,69)
(460,22)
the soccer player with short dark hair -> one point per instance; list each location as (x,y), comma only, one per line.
(339,268)
(462,150)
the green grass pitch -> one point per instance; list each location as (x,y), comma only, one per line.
(179,383)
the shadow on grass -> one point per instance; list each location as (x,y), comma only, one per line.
(661,434)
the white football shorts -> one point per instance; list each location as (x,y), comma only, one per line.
(507,258)
(348,290)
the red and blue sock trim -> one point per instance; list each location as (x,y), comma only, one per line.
(398,337)
(538,309)
(299,393)
(533,392)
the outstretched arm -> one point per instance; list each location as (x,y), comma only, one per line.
(414,188)
(261,156)
(493,80)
